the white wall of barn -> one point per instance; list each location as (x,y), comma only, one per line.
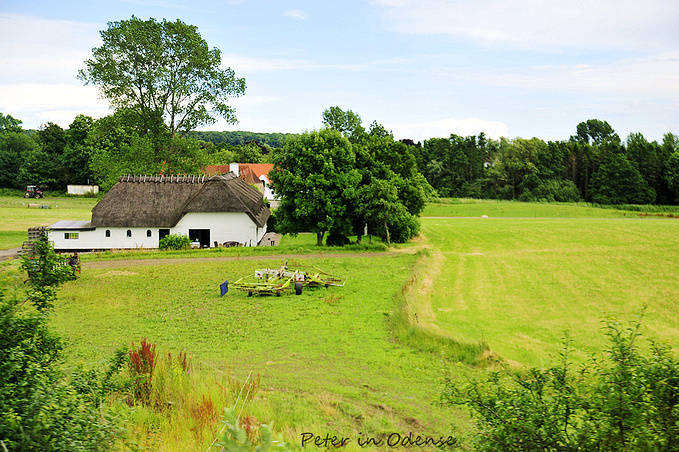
(97,240)
(223,226)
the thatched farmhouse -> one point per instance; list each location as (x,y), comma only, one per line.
(140,210)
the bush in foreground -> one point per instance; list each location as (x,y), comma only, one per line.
(626,401)
(174,242)
(41,409)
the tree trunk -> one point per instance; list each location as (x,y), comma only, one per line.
(319,238)
(386,228)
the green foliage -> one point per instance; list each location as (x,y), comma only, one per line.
(163,71)
(552,190)
(595,132)
(137,154)
(8,124)
(46,272)
(617,181)
(672,175)
(626,401)
(316,178)
(235,438)
(347,122)
(15,149)
(390,192)
(40,409)
(174,242)
(235,138)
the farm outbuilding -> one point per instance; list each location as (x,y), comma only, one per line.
(256,174)
(140,210)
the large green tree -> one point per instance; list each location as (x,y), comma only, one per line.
(315,176)
(164,72)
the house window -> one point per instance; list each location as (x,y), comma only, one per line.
(108,233)
(71,235)
(148,233)
(129,233)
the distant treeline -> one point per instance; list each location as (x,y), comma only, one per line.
(594,165)
(274,140)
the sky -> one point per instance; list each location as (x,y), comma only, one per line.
(422,68)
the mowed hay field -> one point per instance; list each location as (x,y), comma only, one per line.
(519,284)
(16,217)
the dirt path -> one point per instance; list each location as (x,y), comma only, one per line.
(166,261)
(6,254)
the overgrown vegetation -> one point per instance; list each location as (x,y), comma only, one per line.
(628,400)
(40,408)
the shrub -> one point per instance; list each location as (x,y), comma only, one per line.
(626,401)
(235,438)
(142,363)
(552,190)
(39,408)
(174,242)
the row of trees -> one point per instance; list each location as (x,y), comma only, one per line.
(273,140)
(594,165)
(344,179)
(98,151)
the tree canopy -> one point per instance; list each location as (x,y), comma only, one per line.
(164,72)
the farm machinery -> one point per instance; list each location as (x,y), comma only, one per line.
(33,191)
(277,281)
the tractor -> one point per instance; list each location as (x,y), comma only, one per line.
(33,191)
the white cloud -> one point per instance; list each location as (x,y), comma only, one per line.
(420,131)
(40,50)
(297,14)
(654,76)
(539,24)
(36,104)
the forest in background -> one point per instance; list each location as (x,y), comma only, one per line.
(594,165)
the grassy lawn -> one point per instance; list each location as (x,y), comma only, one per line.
(326,357)
(17,217)
(519,284)
(453,207)
(304,243)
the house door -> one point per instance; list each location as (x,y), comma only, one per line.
(200,235)
(162,233)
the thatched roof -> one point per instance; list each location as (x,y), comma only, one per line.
(161,201)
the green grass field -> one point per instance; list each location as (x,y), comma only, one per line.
(16,215)
(326,357)
(335,361)
(519,284)
(452,207)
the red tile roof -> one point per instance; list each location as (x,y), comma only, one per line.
(260,169)
(214,170)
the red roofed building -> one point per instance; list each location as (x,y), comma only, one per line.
(253,173)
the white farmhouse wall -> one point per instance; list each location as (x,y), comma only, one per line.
(268,192)
(223,226)
(82,189)
(97,240)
